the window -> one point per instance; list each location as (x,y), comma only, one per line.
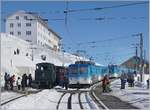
(19,24)
(12,33)
(19,33)
(11,25)
(73,70)
(28,24)
(25,17)
(28,32)
(83,70)
(17,17)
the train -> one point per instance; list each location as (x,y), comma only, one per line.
(81,73)
(45,75)
(48,75)
(84,74)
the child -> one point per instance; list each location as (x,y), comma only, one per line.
(19,83)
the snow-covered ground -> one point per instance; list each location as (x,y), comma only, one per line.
(46,99)
(138,96)
(8,95)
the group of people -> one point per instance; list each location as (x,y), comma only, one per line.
(23,82)
(9,81)
(127,78)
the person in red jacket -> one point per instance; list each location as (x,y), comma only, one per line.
(105,82)
(12,80)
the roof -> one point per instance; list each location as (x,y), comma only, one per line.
(38,18)
(134,62)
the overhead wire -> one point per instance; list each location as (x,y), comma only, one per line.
(107,7)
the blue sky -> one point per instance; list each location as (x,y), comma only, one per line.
(118,22)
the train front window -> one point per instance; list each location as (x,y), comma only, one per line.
(83,70)
(73,70)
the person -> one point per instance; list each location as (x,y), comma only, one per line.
(147,83)
(6,78)
(123,78)
(66,82)
(23,81)
(132,80)
(105,83)
(29,80)
(12,80)
(61,83)
(26,79)
(19,83)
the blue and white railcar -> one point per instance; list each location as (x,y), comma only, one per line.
(85,74)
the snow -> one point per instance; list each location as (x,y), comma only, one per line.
(75,102)
(8,95)
(64,101)
(47,99)
(137,96)
(84,101)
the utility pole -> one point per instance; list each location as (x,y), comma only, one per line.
(136,56)
(141,56)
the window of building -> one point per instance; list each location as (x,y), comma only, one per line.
(12,33)
(28,24)
(25,17)
(17,17)
(11,25)
(19,24)
(28,32)
(19,33)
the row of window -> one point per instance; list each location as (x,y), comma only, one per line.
(19,33)
(25,17)
(19,25)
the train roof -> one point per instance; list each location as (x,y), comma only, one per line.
(44,63)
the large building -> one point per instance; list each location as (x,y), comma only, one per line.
(32,28)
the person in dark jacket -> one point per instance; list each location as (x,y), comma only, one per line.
(6,78)
(30,80)
(23,82)
(66,82)
(123,79)
(26,79)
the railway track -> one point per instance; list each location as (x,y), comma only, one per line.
(73,99)
(100,104)
(79,98)
(10,99)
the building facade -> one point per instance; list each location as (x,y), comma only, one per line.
(32,28)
